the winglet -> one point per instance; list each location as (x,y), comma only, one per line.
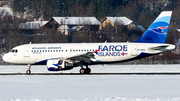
(157,32)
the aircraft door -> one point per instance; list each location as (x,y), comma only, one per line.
(134,50)
(26,51)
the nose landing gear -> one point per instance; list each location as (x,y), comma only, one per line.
(29,69)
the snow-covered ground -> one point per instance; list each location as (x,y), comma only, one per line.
(97,69)
(91,87)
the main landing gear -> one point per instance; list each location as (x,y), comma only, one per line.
(29,69)
(86,70)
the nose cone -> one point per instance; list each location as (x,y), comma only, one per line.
(5,58)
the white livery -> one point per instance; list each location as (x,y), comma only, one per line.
(66,56)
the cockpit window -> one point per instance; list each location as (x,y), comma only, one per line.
(14,51)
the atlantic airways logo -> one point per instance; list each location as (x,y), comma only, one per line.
(159,30)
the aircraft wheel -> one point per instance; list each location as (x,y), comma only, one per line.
(28,72)
(82,71)
(87,70)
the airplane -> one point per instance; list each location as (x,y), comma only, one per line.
(66,56)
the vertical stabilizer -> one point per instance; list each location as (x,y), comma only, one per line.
(157,32)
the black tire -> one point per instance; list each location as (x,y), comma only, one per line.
(82,71)
(28,72)
(87,70)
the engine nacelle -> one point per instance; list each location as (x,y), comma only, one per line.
(58,65)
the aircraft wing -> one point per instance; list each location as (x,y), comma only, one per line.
(85,57)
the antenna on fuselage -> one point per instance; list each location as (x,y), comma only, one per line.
(106,41)
(30,43)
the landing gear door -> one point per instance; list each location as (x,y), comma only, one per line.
(26,51)
(134,50)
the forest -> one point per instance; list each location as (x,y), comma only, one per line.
(142,12)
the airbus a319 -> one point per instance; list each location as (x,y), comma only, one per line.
(66,56)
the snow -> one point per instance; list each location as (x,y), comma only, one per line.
(32,25)
(6,11)
(98,69)
(91,87)
(77,20)
(124,20)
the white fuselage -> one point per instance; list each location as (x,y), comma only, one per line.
(104,52)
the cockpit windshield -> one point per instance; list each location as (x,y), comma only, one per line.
(14,51)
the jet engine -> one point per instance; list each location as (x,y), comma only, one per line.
(58,65)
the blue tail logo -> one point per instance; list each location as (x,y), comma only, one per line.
(157,32)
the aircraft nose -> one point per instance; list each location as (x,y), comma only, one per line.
(5,57)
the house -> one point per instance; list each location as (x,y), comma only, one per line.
(64,29)
(76,28)
(32,25)
(56,22)
(117,21)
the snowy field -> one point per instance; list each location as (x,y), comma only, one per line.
(98,69)
(91,87)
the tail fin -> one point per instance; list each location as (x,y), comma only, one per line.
(157,32)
